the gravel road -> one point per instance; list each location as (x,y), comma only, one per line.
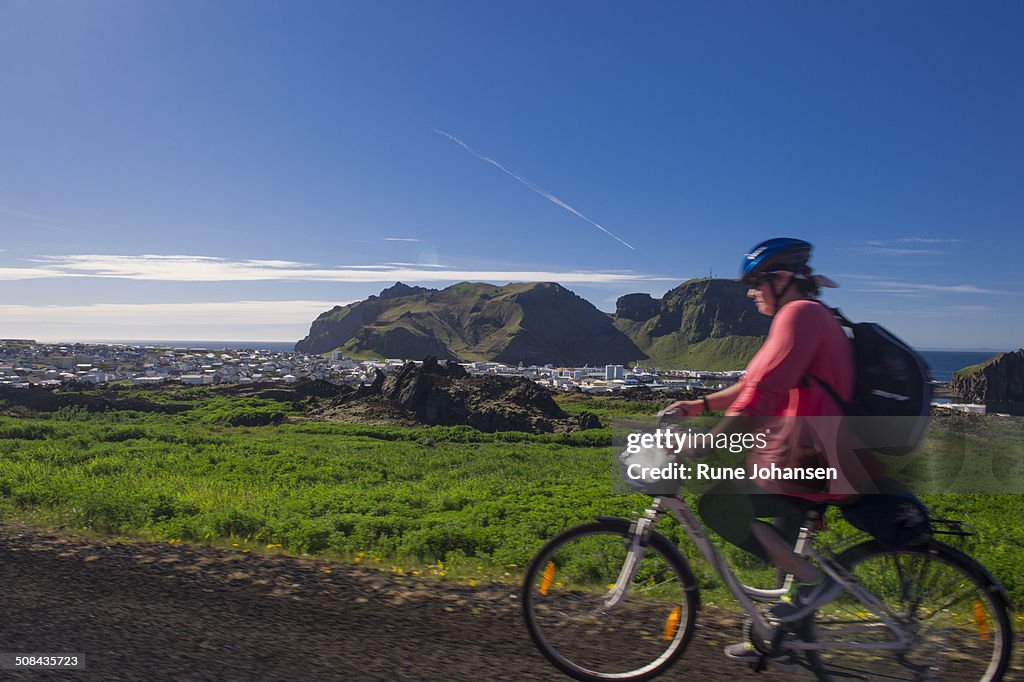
(156,611)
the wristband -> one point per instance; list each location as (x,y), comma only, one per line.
(707,408)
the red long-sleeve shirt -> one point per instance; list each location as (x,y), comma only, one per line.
(804,341)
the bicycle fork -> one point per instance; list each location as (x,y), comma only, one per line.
(636,542)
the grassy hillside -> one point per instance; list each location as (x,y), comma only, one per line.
(700,324)
(728,353)
(971,369)
(444,496)
(534,323)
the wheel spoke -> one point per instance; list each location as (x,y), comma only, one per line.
(643,632)
(941,599)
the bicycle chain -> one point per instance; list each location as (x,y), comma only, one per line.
(758,644)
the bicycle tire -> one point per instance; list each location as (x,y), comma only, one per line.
(563,604)
(955,609)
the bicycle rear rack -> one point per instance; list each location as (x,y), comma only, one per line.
(956,533)
(952,527)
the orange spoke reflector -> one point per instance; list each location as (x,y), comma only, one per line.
(981,620)
(671,623)
(547,577)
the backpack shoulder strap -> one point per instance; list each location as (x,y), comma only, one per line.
(828,389)
(838,315)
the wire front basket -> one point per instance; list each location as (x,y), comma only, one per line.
(651,471)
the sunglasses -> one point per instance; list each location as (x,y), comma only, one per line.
(755,282)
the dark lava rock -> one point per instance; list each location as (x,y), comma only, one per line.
(35,399)
(436,393)
(293,393)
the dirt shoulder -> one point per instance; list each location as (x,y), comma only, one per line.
(157,611)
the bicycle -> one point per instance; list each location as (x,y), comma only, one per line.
(616,600)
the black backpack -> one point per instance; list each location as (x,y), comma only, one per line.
(892,389)
(896,520)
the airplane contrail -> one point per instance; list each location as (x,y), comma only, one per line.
(539,190)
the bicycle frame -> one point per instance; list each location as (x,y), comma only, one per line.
(746,595)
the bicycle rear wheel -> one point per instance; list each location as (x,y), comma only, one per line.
(566,604)
(954,609)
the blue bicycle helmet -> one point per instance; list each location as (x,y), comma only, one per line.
(781,253)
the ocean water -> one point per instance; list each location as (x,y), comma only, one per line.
(944,362)
(277,346)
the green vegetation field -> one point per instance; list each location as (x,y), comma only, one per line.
(467,504)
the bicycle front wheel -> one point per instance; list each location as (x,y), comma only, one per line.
(574,618)
(954,612)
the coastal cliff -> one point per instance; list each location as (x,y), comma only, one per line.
(998,383)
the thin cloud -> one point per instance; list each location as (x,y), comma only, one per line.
(14,274)
(939,311)
(168,314)
(882,286)
(913,240)
(913,293)
(897,251)
(23,215)
(271,263)
(36,221)
(401,239)
(972,308)
(267,320)
(904,246)
(916,312)
(539,190)
(186,268)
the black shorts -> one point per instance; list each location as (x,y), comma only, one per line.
(730,508)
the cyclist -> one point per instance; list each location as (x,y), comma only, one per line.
(804,340)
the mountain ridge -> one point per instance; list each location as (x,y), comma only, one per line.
(705,320)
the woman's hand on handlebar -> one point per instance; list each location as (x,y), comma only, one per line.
(683,408)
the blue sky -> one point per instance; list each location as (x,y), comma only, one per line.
(196,170)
